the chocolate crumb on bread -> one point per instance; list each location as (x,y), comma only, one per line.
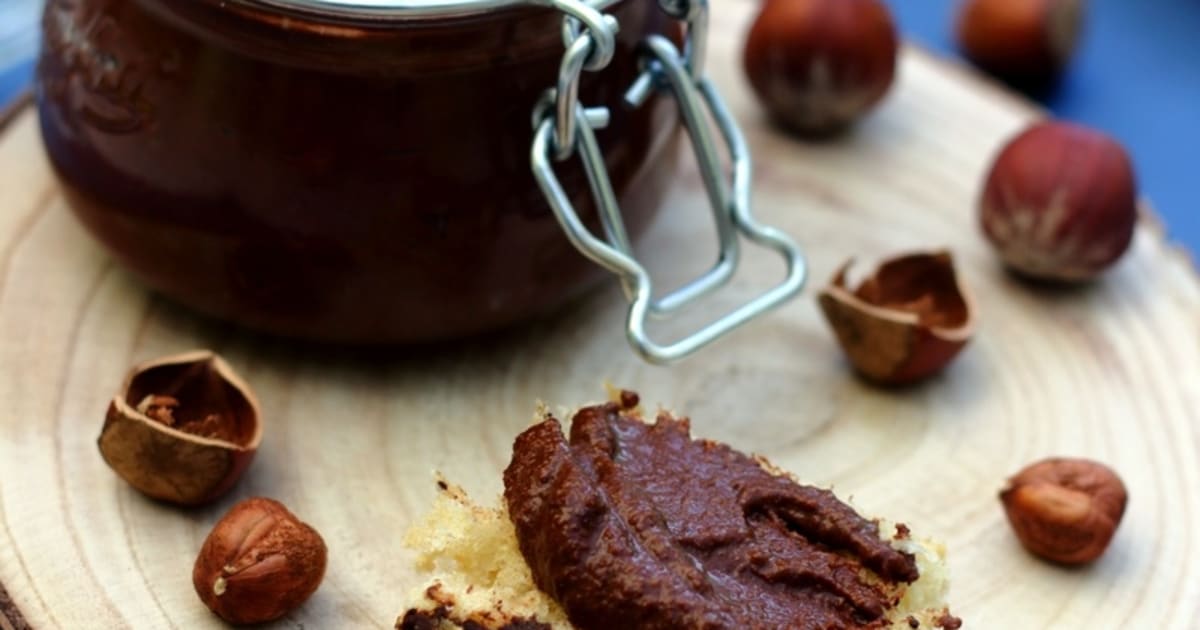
(634,524)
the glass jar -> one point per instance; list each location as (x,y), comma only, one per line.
(321,169)
(365,170)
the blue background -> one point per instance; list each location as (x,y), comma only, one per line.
(12,79)
(1136,75)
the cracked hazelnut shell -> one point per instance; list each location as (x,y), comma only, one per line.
(258,563)
(1065,510)
(1060,202)
(905,322)
(819,65)
(182,429)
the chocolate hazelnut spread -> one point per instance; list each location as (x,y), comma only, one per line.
(636,525)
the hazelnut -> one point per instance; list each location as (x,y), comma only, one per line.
(905,322)
(1024,42)
(1060,202)
(1065,510)
(817,65)
(182,429)
(258,563)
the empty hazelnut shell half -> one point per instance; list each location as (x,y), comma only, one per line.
(903,323)
(182,429)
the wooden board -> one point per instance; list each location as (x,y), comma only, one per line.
(1109,371)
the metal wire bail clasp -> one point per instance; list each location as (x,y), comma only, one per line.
(564,127)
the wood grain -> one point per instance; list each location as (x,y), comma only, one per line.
(1107,371)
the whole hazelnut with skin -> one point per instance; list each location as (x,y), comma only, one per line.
(1060,202)
(818,65)
(1024,42)
(258,563)
(1065,510)
(182,429)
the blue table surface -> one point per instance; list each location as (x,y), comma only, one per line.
(1136,75)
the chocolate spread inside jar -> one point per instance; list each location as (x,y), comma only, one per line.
(635,525)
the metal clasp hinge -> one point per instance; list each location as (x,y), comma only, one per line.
(666,69)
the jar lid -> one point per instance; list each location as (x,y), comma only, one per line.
(384,9)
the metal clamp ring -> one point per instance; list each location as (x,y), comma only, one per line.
(569,128)
(603,29)
(695,14)
(567,95)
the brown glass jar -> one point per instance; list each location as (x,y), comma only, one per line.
(330,175)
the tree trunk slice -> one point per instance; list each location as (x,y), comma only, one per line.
(1107,371)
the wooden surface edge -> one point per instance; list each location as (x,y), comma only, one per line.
(13,110)
(964,71)
(1157,226)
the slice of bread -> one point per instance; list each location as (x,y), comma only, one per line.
(478,578)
